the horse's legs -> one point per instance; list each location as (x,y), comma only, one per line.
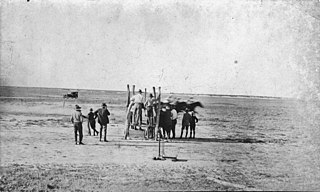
(191,131)
(194,132)
(181,131)
(187,127)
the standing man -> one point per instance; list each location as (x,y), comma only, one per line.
(77,119)
(150,115)
(185,122)
(138,103)
(174,117)
(149,106)
(103,120)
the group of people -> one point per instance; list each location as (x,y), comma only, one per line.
(167,121)
(77,119)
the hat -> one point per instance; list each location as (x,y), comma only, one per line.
(140,91)
(103,105)
(78,107)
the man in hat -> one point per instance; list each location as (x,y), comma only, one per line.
(138,104)
(103,120)
(186,119)
(77,119)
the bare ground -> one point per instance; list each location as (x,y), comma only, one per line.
(231,152)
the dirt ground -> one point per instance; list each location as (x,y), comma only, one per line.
(240,144)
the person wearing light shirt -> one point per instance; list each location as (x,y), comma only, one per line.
(174,117)
(149,106)
(77,119)
(138,104)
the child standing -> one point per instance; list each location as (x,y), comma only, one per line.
(92,122)
(193,122)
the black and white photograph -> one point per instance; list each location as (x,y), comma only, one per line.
(159,95)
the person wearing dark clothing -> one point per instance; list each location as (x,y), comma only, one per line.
(103,120)
(92,122)
(185,123)
(77,119)
(193,122)
(165,121)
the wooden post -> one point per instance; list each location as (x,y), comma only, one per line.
(64,100)
(154,92)
(155,117)
(145,95)
(158,114)
(133,87)
(128,92)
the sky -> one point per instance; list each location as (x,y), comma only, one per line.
(267,48)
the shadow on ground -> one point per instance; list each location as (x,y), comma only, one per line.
(223,140)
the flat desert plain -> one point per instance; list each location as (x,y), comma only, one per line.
(241,144)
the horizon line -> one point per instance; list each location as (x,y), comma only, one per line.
(209,94)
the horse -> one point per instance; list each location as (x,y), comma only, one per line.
(182,106)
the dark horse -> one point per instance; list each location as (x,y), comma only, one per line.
(182,106)
(73,95)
